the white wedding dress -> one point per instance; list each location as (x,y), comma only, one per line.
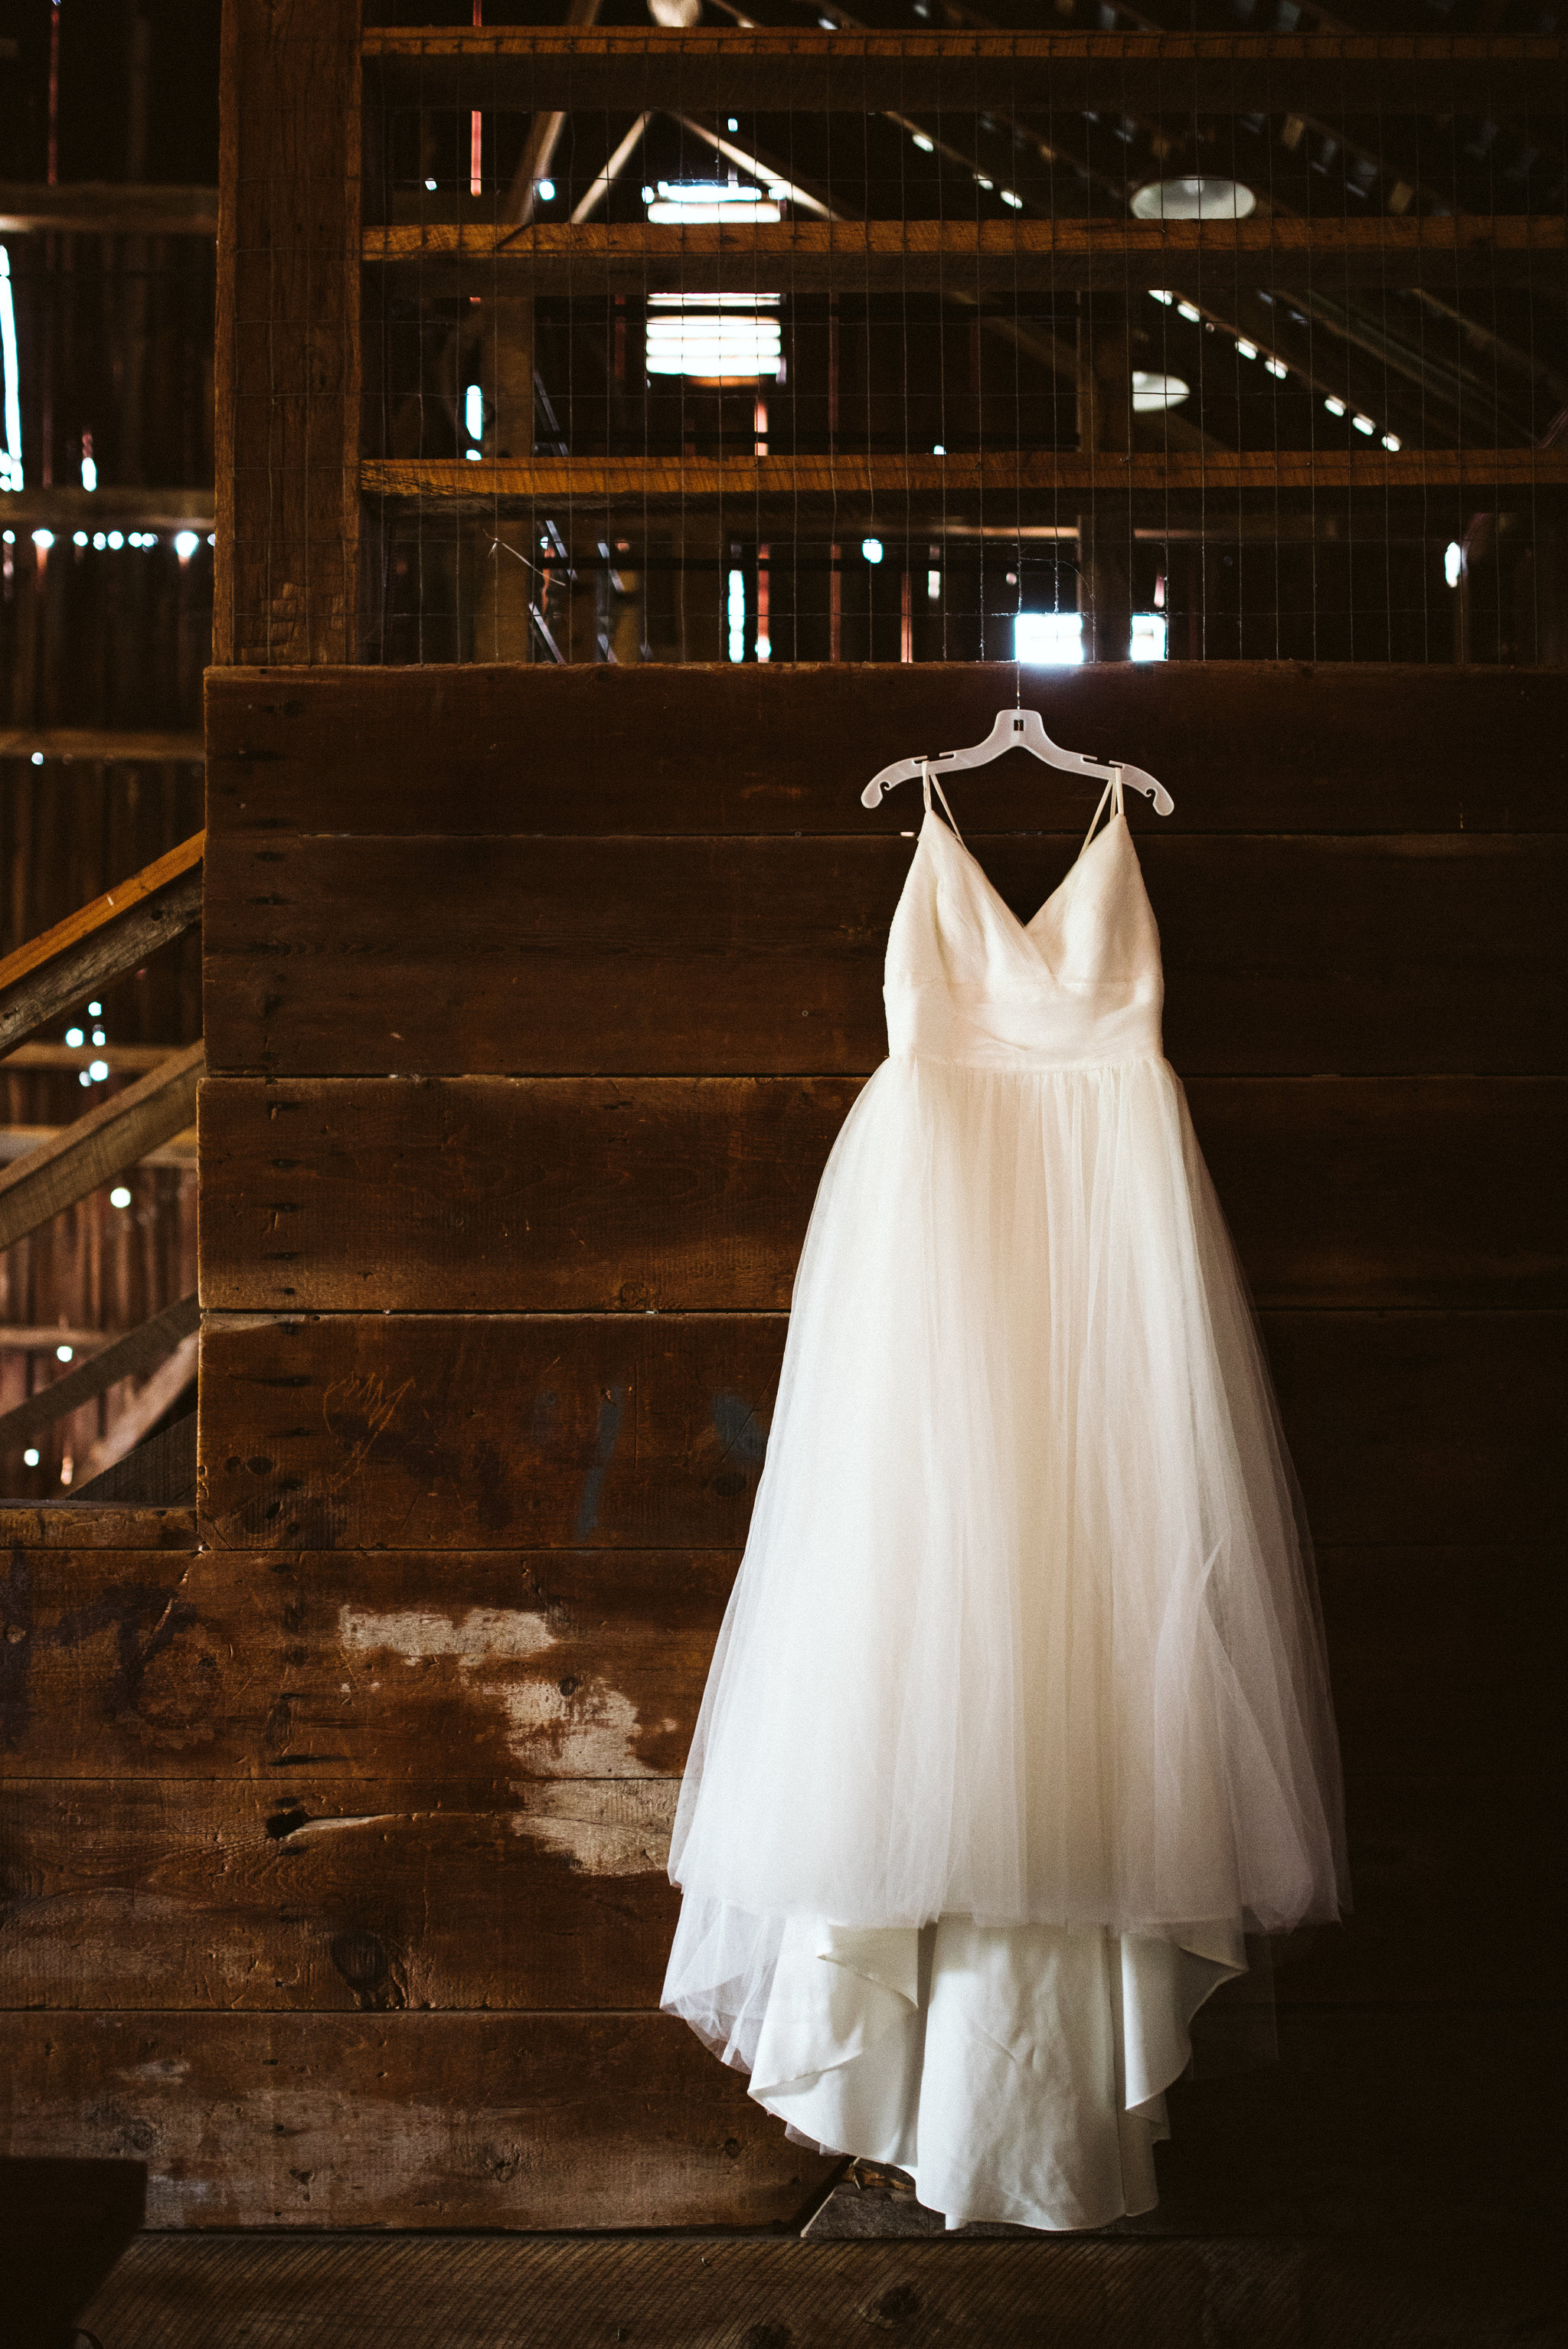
(1019,1715)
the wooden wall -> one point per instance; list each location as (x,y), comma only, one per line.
(533,1001)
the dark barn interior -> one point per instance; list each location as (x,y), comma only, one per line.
(481,495)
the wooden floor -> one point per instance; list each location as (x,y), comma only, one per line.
(694,2291)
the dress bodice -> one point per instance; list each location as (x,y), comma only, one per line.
(1079,986)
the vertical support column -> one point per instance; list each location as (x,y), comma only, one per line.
(287,362)
(1105,523)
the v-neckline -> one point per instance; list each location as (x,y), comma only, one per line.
(1023,929)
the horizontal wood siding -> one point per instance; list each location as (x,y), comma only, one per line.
(536,999)
(692,1194)
(1309,955)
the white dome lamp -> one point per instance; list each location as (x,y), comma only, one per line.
(1195,199)
(1151,392)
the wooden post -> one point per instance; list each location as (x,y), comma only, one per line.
(1105,521)
(287,366)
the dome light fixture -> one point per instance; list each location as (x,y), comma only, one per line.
(1151,391)
(1193,199)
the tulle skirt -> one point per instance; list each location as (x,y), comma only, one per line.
(1025,1633)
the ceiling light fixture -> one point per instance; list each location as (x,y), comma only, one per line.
(1193,199)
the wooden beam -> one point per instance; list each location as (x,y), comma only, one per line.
(114,933)
(163,1386)
(135,1356)
(111,508)
(101,910)
(759,69)
(108,208)
(287,348)
(631,482)
(98,1146)
(965,256)
(17,1141)
(102,742)
(118,1057)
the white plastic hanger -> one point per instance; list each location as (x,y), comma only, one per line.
(1016,730)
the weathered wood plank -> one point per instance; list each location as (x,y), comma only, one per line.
(363,957)
(99,1145)
(680,1193)
(312,2120)
(80,926)
(1243,746)
(54,987)
(508,1664)
(625,2120)
(287,351)
(26,1526)
(493,2292)
(589,258)
(763,70)
(943,488)
(515,1667)
(135,1355)
(647,1431)
(142,1893)
(359,1897)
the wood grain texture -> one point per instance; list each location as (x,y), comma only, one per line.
(674,1194)
(29,1526)
(1442,2290)
(99,1144)
(1376,2118)
(957,484)
(373,1896)
(589,257)
(661,750)
(769,69)
(494,1665)
(409,2120)
(287,359)
(80,926)
(365,957)
(647,1431)
(522,1668)
(105,954)
(136,1354)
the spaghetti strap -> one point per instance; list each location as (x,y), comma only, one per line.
(931,784)
(1112,792)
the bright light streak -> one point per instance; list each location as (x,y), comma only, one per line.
(1334,407)
(871,548)
(1246,350)
(1453,562)
(89,474)
(1009,198)
(547,191)
(185,544)
(1148,639)
(1055,636)
(11,474)
(1364,424)
(736,610)
(934,586)
(1185,310)
(925,145)
(1162,293)
(44,539)
(1391,440)
(1277,367)
(474,413)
